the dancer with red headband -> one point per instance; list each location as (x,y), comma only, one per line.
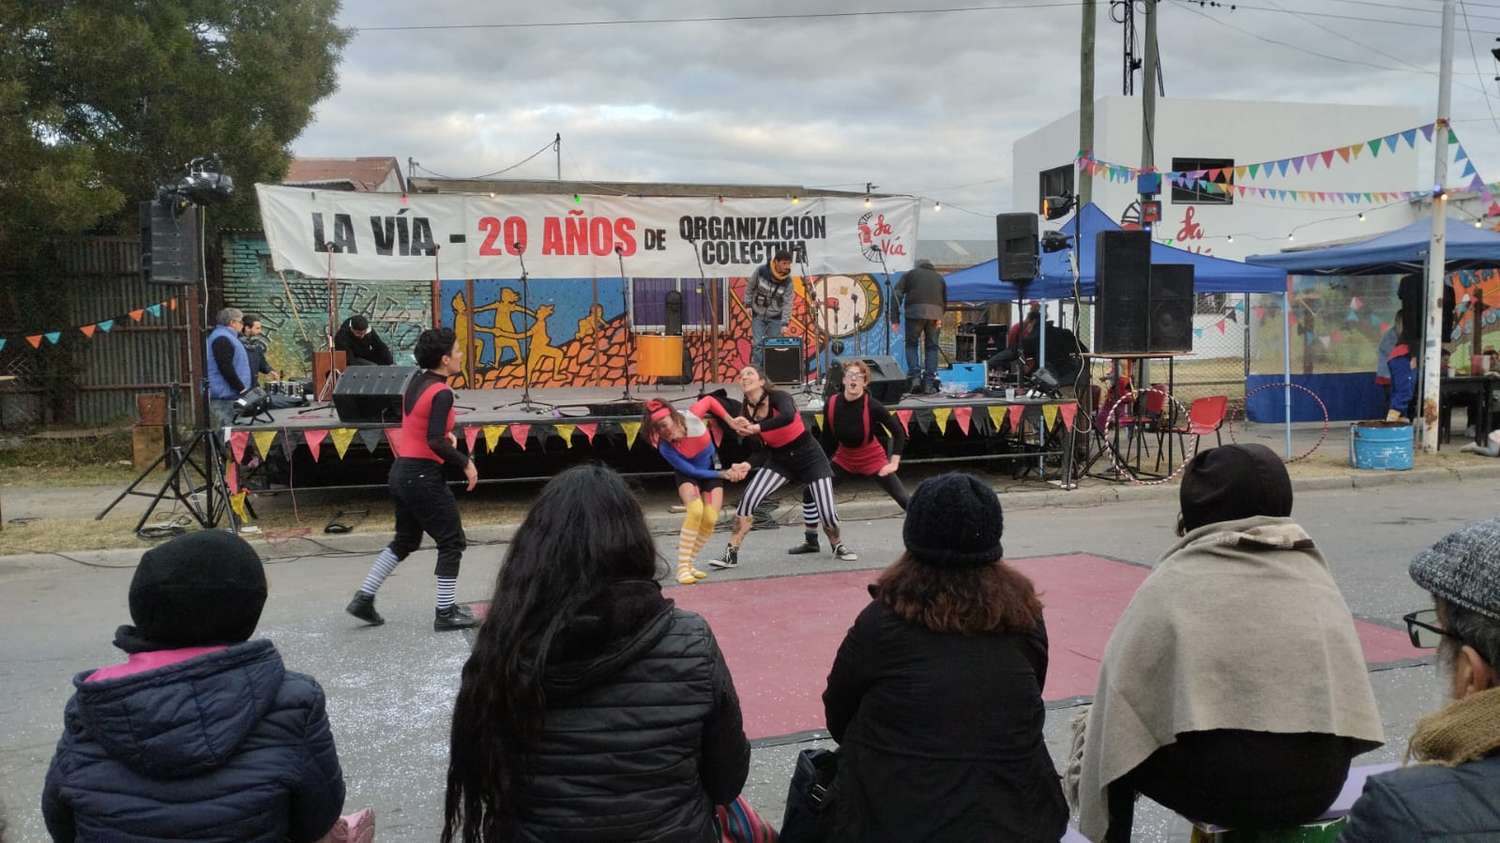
(794,457)
(865,441)
(688,446)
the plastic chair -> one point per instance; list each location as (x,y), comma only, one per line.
(1205,416)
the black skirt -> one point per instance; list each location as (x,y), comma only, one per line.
(800,461)
(704,484)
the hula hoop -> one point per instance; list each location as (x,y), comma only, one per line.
(1114,455)
(1245,409)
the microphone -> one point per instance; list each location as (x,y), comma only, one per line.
(620,250)
(518,246)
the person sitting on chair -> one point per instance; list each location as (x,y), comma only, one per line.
(360,343)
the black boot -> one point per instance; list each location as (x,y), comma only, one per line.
(453,617)
(809,544)
(363,607)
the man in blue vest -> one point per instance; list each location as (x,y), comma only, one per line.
(228,366)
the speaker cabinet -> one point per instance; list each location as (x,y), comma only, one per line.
(887,380)
(783,360)
(372,393)
(1170,326)
(169,244)
(1122,283)
(1016,237)
(674,313)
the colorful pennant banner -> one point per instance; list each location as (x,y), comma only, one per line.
(102,326)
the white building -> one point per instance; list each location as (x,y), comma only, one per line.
(1222,135)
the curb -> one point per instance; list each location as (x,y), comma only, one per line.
(788,514)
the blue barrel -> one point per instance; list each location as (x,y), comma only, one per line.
(1380,446)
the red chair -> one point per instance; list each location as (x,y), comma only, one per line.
(1205,415)
(1153,405)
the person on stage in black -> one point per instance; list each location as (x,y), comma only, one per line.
(793,456)
(361,345)
(768,292)
(1064,361)
(865,441)
(252,334)
(424,503)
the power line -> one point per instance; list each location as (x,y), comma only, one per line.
(1473,54)
(550,144)
(1360,18)
(1038,4)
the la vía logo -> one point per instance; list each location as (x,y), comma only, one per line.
(876,237)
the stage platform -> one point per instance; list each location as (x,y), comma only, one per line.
(592,424)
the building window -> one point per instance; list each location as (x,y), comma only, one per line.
(1189,190)
(648,302)
(1057,181)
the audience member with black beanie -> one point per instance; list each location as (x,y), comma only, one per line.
(202,734)
(935,696)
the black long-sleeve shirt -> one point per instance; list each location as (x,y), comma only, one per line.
(369,347)
(223,349)
(437,418)
(847,427)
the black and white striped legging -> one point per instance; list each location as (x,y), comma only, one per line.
(765,481)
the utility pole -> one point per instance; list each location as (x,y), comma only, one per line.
(1437,252)
(557,150)
(1148,96)
(1086,102)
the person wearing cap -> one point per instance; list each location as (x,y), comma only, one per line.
(1233,688)
(935,696)
(1449,792)
(202,734)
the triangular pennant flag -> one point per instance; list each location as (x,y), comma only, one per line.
(1343,152)
(154,310)
(1328,158)
(314,440)
(1198,333)
(1069,412)
(137,314)
(1281,165)
(87,330)
(232,478)
(1297,164)
(1015,411)
(390,438)
(341,436)
(1325,340)
(1427,132)
(471,436)
(1410,136)
(1260,313)
(238,439)
(492,436)
(237,503)
(1254,170)
(1239,172)
(566,432)
(520,433)
(631,428)
(264,439)
(1452,137)
(1468,169)
(904,416)
(106,325)
(942,414)
(1390,142)
(1213,174)
(1494,209)
(370,438)
(964,415)
(997,417)
(53,337)
(1337,335)
(924,422)
(588,429)
(1374,147)
(818,420)
(1049,416)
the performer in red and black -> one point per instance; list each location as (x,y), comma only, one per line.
(865,441)
(424,503)
(793,456)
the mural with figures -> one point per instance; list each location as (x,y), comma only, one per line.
(572,332)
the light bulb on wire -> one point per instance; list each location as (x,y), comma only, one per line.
(1231,238)
(1479,223)
(1290,237)
(1361,216)
(937,206)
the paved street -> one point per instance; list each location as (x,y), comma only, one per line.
(390,689)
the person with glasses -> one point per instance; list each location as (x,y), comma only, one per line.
(1233,689)
(1448,790)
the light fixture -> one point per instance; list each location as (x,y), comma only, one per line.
(867,200)
(1291,237)
(1479,223)
(577,200)
(1361,216)
(795,200)
(1231,238)
(1443,196)
(937,206)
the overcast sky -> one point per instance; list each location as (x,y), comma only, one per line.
(927,104)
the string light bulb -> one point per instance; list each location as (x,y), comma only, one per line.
(867,201)
(795,200)
(937,206)
(1290,237)
(1231,238)
(1361,216)
(1479,223)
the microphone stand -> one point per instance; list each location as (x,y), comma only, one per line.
(702,326)
(821,317)
(886,317)
(526,404)
(629,325)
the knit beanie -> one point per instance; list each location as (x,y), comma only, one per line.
(198,589)
(1233,482)
(1463,568)
(954,521)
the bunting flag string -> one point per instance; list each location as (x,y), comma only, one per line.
(566,432)
(997,417)
(390,438)
(520,433)
(371,438)
(1049,416)
(471,436)
(341,436)
(818,420)
(942,414)
(588,429)
(88,330)
(632,429)
(904,416)
(264,439)
(1015,411)
(492,436)
(314,439)
(963,414)
(1069,412)
(237,442)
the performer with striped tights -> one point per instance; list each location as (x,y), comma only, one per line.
(688,446)
(794,457)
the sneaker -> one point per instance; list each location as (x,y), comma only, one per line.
(809,545)
(363,607)
(453,617)
(844,554)
(731,558)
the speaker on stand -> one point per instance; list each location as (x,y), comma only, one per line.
(1122,279)
(1016,238)
(1170,318)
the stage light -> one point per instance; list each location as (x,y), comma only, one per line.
(1055,241)
(1055,207)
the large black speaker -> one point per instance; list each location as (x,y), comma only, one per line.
(1015,236)
(169,244)
(783,357)
(372,393)
(1170,326)
(887,381)
(1122,285)
(674,314)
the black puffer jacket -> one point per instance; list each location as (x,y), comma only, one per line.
(642,735)
(228,746)
(1428,802)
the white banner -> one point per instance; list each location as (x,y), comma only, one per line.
(395,237)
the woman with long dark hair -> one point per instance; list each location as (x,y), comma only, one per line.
(591,708)
(794,457)
(685,442)
(935,696)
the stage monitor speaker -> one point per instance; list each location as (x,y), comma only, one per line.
(1122,292)
(1016,238)
(169,244)
(1170,327)
(372,393)
(674,314)
(887,380)
(989,340)
(783,360)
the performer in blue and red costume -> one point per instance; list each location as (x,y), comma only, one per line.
(687,444)
(425,445)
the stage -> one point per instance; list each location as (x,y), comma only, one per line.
(314,447)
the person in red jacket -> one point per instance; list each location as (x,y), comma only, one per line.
(425,445)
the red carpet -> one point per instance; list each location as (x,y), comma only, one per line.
(780,635)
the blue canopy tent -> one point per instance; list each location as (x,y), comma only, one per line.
(1392,253)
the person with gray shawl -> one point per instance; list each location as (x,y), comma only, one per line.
(1233,689)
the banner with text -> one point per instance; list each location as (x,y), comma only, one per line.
(393,236)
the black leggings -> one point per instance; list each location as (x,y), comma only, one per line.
(890,483)
(425,504)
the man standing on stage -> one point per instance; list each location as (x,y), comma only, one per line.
(923,294)
(253,336)
(768,290)
(360,344)
(424,504)
(228,367)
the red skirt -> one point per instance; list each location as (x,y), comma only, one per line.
(866,460)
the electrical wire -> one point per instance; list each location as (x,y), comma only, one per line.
(549,145)
(1335,16)
(1474,54)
